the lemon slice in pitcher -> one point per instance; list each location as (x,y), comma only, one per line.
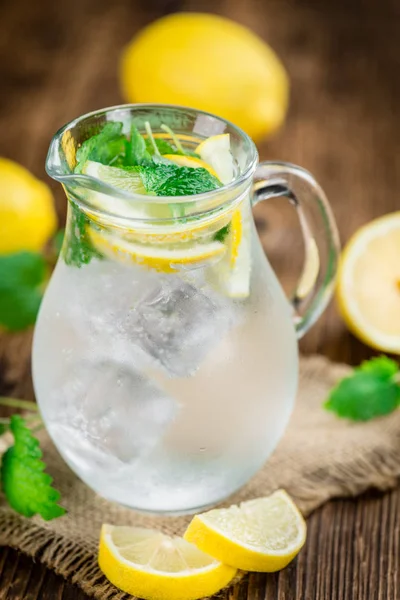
(159,234)
(154,566)
(159,258)
(215,151)
(231,275)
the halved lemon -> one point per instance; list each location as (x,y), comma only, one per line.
(259,535)
(216,152)
(160,258)
(368,290)
(190,161)
(154,566)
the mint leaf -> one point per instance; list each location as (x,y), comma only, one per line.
(371,391)
(381,366)
(221,234)
(163,147)
(187,181)
(22,279)
(107,147)
(156,174)
(78,249)
(136,149)
(26,486)
(164,178)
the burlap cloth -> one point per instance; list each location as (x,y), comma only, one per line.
(320,457)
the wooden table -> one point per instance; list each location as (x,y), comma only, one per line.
(59,60)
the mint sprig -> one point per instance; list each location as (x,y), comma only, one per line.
(78,249)
(22,280)
(372,390)
(26,486)
(113,148)
(107,147)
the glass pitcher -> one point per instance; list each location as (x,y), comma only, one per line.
(165,355)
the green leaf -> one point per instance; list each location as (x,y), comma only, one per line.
(187,181)
(164,178)
(26,486)
(371,391)
(78,249)
(136,149)
(22,278)
(163,147)
(154,175)
(107,147)
(221,234)
(381,366)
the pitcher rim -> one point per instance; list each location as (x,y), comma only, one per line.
(54,167)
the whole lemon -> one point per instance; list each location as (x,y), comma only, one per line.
(27,215)
(210,63)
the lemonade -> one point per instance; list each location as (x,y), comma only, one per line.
(165,356)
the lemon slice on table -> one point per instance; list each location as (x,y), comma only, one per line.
(259,535)
(368,290)
(215,151)
(190,161)
(160,258)
(154,566)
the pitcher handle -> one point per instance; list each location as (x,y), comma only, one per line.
(321,239)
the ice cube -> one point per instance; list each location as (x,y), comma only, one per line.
(177,324)
(145,318)
(114,409)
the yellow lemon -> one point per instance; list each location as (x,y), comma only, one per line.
(210,63)
(154,566)
(368,290)
(27,215)
(259,535)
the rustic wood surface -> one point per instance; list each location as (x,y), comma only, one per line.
(59,59)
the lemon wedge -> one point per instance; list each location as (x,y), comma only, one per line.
(190,161)
(154,566)
(159,258)
(215,151)
(259,535)
(368,290)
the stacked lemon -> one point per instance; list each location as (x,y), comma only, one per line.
(259,535)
